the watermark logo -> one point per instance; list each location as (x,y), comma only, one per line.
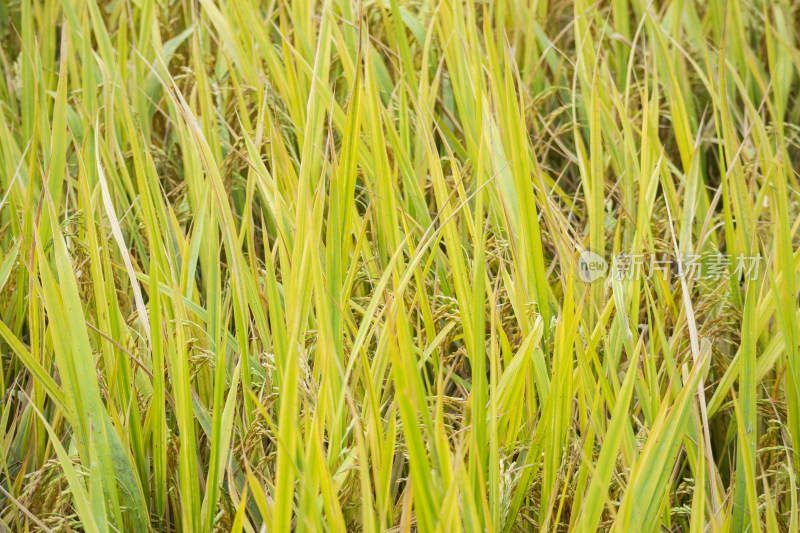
(711,267)
(591,266)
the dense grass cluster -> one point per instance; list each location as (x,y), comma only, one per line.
(315,266)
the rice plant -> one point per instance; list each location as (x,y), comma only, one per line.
(399,265)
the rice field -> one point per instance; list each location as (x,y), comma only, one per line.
(399,265)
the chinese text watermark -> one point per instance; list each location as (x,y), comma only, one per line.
(705,266)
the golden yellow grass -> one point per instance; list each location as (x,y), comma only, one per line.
(316,266)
